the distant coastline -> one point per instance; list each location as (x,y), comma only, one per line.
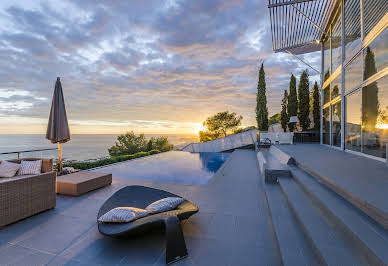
(82,147)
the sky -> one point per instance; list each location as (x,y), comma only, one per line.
(154,67)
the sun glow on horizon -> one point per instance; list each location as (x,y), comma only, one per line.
(382,126)
(198,127)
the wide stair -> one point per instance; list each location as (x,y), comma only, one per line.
(313,224)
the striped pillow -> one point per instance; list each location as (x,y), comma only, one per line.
(30,167)
(8,169)
(123,215)
(166,204)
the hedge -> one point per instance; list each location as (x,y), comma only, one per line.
(116,159)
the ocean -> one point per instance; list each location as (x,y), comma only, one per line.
(80,147)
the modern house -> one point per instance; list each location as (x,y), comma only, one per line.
(352,37)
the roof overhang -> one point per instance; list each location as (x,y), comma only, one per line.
(297,26)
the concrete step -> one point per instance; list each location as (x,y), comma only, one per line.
(293,245)
(332,247)
(271,168)
(363,232)
(283,157)
(368,207)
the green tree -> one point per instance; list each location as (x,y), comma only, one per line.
(162,144)
(261,102)
(370,100)
(150,144)
(205,136)
(304,101)
(128,143)
(292,105)
(283,114)
(316,107)
(220,125)
(274,119)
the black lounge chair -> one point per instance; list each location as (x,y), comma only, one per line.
(264,145)
(141,197)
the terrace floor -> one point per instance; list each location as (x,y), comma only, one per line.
(233,226)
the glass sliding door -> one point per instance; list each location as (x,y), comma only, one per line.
(376,55)
(336,124)
(353,120)
(326,126)
(361,94)
(375,118)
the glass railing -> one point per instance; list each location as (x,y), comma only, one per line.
(32,153)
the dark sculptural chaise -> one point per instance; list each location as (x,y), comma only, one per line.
(141,197)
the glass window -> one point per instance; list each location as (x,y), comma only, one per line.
(376,55)
(326,58)
(336,124)
(326,126)
(326,94)
(353,121)
(336,87)
(352,27)
(374,11)
(336,32)
(353,74)
(375,117)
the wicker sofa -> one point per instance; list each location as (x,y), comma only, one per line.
(25,195)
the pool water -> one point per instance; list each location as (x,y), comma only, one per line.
(172,166)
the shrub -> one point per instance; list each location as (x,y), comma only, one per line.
(115,159)
(130,143)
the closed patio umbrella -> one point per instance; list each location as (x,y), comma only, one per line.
(58,127)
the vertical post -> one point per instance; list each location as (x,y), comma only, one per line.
(322,77)
(59,156)
(342,75)
(331,123)
(18,155)
(362,68)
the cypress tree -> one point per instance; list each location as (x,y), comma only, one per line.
(261,102)
(370,100)
(283,114)
(316,107)
(304,101)
(292,106)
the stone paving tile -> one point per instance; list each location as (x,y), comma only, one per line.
(17,255)
(85,208)
(20,230)
(197,225)
(55,234)
(95,248)
(62,261)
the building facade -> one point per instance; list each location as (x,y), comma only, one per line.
(353,39)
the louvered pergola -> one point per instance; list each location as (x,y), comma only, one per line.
(298,25)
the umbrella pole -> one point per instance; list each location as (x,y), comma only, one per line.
(59,157)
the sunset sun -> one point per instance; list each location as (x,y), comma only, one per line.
(198,127)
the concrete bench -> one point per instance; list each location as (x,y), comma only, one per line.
(82,182)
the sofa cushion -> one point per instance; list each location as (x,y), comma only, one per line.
(30,167)
(163,205)
(123,215)
(8,169)
(47,164)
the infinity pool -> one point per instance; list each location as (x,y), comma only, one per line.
(172,166)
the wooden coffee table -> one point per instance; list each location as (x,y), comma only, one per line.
(82,182)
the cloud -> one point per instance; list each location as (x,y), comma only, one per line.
(122,62)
